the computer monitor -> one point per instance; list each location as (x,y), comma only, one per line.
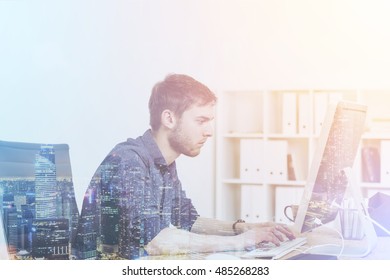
(38,210)
(330,172)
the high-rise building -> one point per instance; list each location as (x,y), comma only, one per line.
(85,246)
(109,212)
(46,194)
(11,227)
(50,239)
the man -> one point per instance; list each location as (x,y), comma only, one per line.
(135,204)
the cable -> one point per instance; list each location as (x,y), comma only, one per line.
(319,222)
(342,242)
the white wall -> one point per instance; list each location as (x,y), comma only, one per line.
(80,72)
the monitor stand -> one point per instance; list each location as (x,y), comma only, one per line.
(370,238)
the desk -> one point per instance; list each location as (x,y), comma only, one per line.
(321,235)
(325,235)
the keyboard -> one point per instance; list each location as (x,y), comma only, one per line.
(271,251)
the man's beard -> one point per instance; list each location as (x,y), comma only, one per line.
(181,143)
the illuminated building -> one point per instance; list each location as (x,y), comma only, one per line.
(45,184)
(50,239)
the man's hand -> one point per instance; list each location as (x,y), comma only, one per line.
(265,232)
(170,241)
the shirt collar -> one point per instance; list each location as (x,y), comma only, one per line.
(154,150)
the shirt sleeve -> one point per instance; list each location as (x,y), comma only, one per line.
(184,213)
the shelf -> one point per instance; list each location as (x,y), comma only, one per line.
(243,135)
(289,183)
(263,133)
(269,136)
(294,183)
(373,185)
(240,182)
(287,136)
(375,136)
(281,183)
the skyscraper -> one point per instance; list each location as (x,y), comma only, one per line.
(46,194)
(50,231)
(50,239)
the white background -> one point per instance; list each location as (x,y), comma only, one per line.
(80,72)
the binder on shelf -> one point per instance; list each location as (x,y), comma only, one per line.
(371,165)
(246,203)
(289,113)
(304,124)
(385,163)
(299,162)
(320,106)
(254,203)
(252,160)
(290,168)
(276,155)
(260,202)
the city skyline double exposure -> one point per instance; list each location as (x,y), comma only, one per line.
(37,201)
(118,218)
(40,216)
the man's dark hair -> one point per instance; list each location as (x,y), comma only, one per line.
(177,93)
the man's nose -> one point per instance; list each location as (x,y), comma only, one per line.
(209,130)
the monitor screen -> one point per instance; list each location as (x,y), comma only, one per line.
(336,150)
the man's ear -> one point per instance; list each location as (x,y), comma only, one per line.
(168,119)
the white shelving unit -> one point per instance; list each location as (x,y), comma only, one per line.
(257,130)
